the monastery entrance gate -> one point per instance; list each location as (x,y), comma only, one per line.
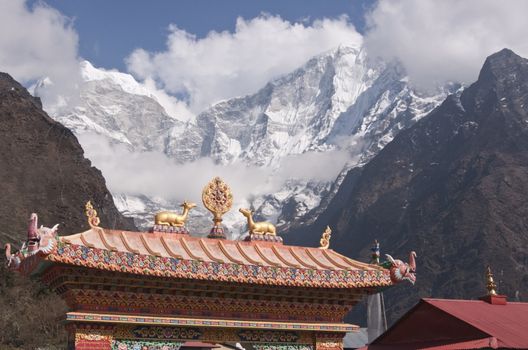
(155,290)
(114,311)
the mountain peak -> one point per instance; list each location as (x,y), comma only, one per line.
(503,77)
(501,63)
(504,54)
(124,80)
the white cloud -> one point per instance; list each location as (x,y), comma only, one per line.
(37,42)
(316,166)
(156,175)
(227,64)
(174,107)
(446,40)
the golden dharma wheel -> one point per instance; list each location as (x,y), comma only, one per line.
(217,198)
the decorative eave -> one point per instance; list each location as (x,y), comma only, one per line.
(186,257)
(208,323)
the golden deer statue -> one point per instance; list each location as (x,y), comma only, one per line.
(260,228)
(173,219)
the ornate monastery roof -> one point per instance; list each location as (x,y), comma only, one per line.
(187,247)
(169,251)
(184,256)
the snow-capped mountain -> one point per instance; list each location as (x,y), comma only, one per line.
(341,100)
(115,105)
(302,129)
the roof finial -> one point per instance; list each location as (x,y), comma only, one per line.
(325,238)
(490,284)
(91,214)
(375,256)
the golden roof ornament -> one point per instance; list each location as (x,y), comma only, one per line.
(258,228)
(168,218)
(91,214)
(490,284)
(218,199)
(325,238)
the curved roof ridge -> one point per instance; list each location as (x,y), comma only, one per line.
(281,258)
(334,261)
(127,243)
(147,246)
(188,250)
(356,264)
(68,239)
(105,242)
(301,261)
(169,249)
(317,261)
(85,242)
(264,257)
(246,256)
(204,247)
(224,250)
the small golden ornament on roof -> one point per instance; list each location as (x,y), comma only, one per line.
(258,228)
(325,238)
(91,214)
(490,284)
(167,218)
(218,199)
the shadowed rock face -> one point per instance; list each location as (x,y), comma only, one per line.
(453,187)
(43,170)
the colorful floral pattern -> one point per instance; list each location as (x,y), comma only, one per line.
(282,347)
(268,336)
(167,333)
(144,345)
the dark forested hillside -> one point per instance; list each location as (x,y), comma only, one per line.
(453,187)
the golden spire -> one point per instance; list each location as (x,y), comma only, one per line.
(91,214)
(325,238)
(490,284)
(218,199)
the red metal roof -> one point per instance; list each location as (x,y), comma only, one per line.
(442,324)
(463,345)
(507,323)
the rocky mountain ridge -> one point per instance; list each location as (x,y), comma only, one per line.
(43,160)
(42,170)
(452,187)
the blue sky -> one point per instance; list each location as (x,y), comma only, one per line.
(110,30)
